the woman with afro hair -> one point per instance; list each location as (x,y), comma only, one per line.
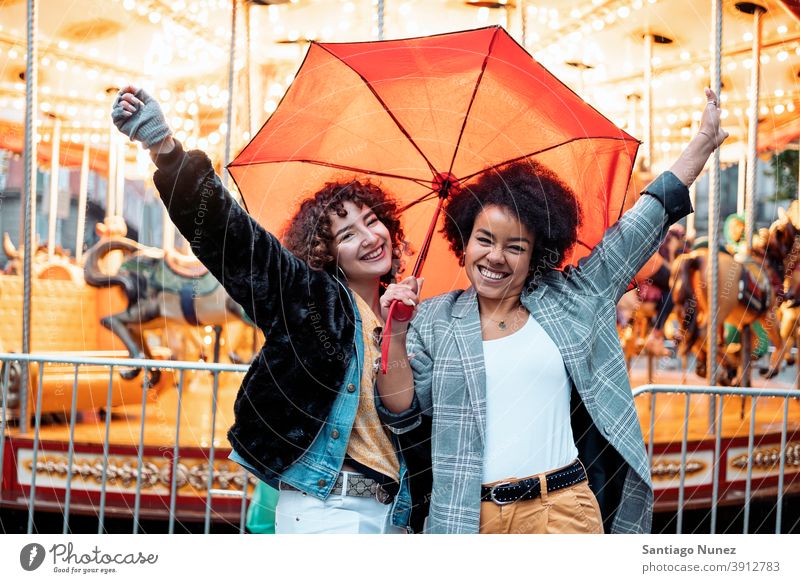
(534,425)
(305,415)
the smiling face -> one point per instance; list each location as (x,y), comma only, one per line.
(497,257)
(361,243)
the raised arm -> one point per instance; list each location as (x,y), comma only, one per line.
(250,263)
(630,242)
(404,392)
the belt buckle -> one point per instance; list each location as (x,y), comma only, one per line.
(381,495)
(494,499)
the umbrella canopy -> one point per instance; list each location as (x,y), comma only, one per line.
(410,112)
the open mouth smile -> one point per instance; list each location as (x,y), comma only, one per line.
(492,275)
(376,254)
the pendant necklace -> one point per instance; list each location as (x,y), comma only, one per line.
(501,324)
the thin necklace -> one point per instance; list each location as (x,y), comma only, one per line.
(501,324)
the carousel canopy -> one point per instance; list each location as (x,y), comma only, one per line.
(179,49)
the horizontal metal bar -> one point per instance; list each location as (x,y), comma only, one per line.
(123,362)
(228,493)
(713,390)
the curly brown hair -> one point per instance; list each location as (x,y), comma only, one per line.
(308,235)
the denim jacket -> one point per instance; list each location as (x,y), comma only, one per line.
(316,471)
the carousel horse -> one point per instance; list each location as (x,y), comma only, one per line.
(749,291)
(640,312)
(636,312)
(790,307)
(158,286)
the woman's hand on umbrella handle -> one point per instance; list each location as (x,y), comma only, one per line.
(406,294)
(138,115)
(710,122)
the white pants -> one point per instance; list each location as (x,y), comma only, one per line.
(299,513)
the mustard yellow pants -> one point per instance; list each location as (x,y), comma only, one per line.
(572,510)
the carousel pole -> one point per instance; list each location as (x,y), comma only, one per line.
(381,10)
(111,197)
(648,103)
(83,191)
(119,174)
(247,71)
(523,23)
(633,112)
(231,64)
(752,167)
(752,129)
(713,213)
(52,216)
(691,228)
(225,179)
(741,185)
(29,217)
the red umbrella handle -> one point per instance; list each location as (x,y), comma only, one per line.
(398,311)
(401,312)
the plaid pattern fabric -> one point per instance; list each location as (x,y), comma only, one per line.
(577,308)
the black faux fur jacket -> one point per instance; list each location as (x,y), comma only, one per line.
(305,314)
(292,384)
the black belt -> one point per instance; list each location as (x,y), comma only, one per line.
(530,488)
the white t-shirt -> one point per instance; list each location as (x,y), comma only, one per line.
(528,427)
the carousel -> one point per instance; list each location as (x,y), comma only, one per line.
(121,354)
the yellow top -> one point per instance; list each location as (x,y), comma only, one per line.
(369,442)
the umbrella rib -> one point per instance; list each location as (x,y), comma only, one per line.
(417,201)
(528,155)
(386,109)
(472,99)
(420,181)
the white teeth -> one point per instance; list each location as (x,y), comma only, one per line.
(373,255)
(491,274)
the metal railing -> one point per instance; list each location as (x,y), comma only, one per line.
(718,393)
(116,364)
(181,368)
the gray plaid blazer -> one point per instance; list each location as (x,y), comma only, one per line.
(577,308)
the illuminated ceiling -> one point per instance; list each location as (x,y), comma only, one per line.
(179,49)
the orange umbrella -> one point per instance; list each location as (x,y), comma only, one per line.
(422,116)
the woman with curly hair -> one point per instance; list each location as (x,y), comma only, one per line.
(305,415)
(534,426)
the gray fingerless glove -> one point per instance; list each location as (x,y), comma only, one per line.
(147,125)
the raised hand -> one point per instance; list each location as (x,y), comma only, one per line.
(710,122)
(709,137)
(138,115)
